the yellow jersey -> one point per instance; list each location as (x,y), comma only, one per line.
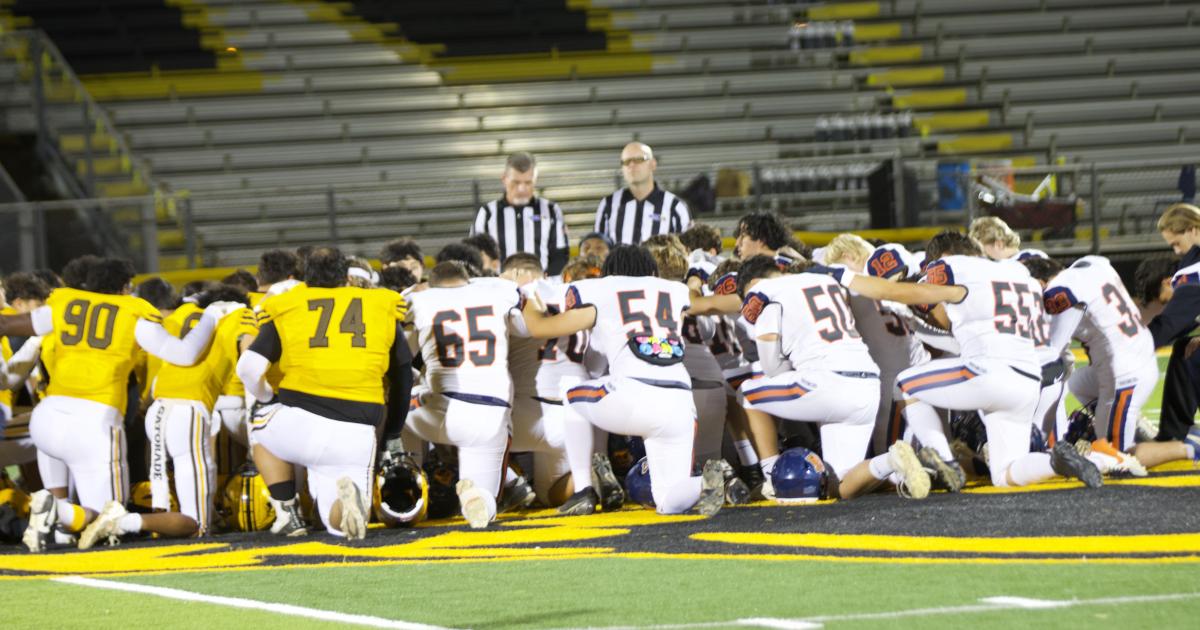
(204,381)
(234,387)
(6,352)
(94,347)
(335,343)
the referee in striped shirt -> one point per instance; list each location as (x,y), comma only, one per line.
(641,209)
(520,222)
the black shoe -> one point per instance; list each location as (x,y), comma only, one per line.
(612,495)
(1067,462)
(947,475)
(518,495)
(580,503)
(752,475)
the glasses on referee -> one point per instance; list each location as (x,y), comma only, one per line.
(637,159)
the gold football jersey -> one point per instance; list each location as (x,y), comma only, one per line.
(94,347)
(204,381)
(6,395)
(335,343)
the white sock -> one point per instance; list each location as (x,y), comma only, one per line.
(745,451)
(1029,469)
(130,523)
(880,466)
(1190,449)
(510,476)
(768,464)
(926,424)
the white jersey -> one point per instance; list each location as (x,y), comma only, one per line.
(1039,321)
(463,334)
(996,319)
(725,345)
(811,315)
(635,307)
(698,358)
(891,342)
(1112,327)
(537,365)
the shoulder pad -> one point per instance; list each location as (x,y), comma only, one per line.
(753,306)
(939,272)
(1058,300)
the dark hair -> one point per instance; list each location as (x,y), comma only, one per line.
(222,293)
(399,249)
(26,286)
(523,260)
(75,273)
(485,244)
(521,162)
(701,236)
(755,268)
(448,270)
(326,268)
(277,265)
(951,243)
(629,260)
(463,253)
(49,277)
(1043,269)
(241,279)
(1147,280)
(110,275)
(600,235)
(729,265)
(766,227)
(194,287)
(159,293)
(396,278)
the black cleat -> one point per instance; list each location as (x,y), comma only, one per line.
(1067,462)
(947,475)
(518,495)
(612,495)
(580,503)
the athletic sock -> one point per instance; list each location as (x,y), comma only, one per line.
(768,464)
(745,452)
(510,476)
(926,424)
(283,490)
(880,467)
(1190,450)
(71,517)
(1028,469)
(130,523)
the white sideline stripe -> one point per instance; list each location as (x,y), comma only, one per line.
(236,602)
(991,604)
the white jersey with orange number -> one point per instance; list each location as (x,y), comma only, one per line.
(462,333)
(998,317)
(1112,327)
(814,321)
(537,365)
(632,308)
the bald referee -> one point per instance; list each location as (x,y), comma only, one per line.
(641,209)
(521,222)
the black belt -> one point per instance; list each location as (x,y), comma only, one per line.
(858,374)
(667,384)
(1033,377)
(547,400)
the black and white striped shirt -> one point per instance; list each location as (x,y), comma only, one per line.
(536,228)
(628,221)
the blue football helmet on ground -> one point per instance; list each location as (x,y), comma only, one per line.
(637,483)
(800,476)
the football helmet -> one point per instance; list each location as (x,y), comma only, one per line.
(401,494)
(1081,424)
(142,497)
(637,483)
(247,501)
(800,476)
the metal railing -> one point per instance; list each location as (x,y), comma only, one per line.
(34,220)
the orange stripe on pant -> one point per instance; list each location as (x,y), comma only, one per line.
(1117,420)
(933,379)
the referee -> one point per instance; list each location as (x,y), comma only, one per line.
(520,222)
(641,209)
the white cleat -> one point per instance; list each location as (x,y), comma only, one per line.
(103,527)
(43,516)
(474,505)
(914,481)
(354,518)
(1110,461)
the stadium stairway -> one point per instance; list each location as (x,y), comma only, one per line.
(381,103)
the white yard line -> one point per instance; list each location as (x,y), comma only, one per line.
(237,602)
(988,604)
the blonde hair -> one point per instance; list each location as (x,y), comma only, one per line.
(989,230)
(1179,218)
(669,254)
(847,247)
(582,268)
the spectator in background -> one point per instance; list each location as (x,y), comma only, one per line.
(520,221)
(404,252)
(641,209)
(1180,228)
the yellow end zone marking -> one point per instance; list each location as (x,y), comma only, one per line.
(1067,545)
(1181,481)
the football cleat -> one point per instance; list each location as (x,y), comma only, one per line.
(580,503)
(712,488)
(354,514)
(288,521)
(1110,461)
(517,495)
(604,480)
(104,526)
(947,475)
(43,516)
(1066,461)
(474,505)
(1145,430)
(752,475)
(914,481)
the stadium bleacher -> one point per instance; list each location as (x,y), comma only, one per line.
(305,96)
